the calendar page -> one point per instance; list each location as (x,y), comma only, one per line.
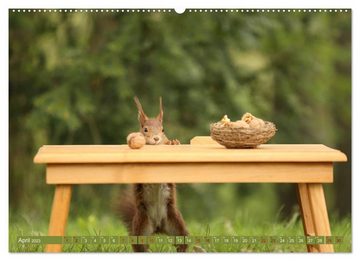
(194,130)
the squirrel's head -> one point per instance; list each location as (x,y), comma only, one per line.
(151,128)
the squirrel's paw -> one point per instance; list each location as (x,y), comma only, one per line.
(173,142)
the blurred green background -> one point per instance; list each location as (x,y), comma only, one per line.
(73,77)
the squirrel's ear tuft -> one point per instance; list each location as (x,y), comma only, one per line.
(141,114)
(161,114)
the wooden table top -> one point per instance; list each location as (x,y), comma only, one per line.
(52,154)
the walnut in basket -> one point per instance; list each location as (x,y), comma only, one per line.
(253,121)
(247,117)
(240,124)
(225,120)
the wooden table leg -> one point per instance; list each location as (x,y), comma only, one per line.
(314,214)
(59,215)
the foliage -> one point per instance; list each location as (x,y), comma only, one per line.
(73,77)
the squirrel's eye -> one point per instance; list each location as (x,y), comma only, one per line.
(162,130)
(145,130)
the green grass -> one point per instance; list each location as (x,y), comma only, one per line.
(239,226)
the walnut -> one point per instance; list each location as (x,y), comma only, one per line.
(253,121)
(247,117)
(225,121)
(240,124)
(256,123)
(136,140)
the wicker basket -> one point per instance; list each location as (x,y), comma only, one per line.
(238,137)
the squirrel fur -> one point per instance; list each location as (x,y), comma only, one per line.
(147,209)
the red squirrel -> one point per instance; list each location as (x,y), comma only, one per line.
(151,208)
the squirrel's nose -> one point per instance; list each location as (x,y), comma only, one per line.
(156,138)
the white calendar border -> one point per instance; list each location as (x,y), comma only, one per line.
(5,5)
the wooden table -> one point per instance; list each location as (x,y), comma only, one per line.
(204,161)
